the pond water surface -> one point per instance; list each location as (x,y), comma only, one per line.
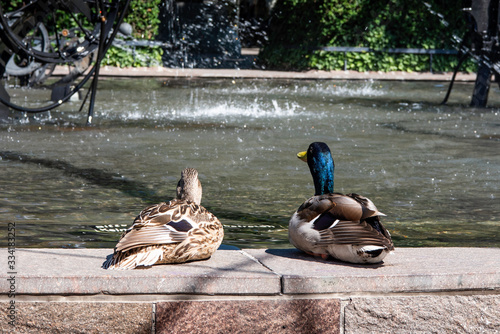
(433,170)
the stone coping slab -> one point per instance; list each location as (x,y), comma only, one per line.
(252,272)
(188,73)
(406,270)
(78,271)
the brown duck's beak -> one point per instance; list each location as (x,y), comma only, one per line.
(302,156)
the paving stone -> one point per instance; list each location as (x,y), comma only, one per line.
(407,270)
(109,71)
(423,314)
(78,271)
(249,316)
(235,272)
(82,317)
(474,273)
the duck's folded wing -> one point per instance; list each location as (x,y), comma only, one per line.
(369,209)
(353,232)
(160,224)
(325,209)
(150,235)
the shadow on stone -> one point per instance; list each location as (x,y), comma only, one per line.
(221,247)
(299,255)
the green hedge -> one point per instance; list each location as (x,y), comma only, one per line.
(144,18)
(297,26)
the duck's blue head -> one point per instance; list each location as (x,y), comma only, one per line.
(321,165)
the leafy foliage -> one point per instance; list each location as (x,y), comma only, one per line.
(133,57)
(145,20)
(299,26)
(144,16)
(8,6)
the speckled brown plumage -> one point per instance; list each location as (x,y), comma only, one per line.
(174,232)
(358,220)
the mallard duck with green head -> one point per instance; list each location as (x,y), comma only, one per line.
(175,232)
(346,227)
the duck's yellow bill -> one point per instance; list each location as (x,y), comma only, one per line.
(302,156)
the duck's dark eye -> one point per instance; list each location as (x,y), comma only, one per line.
(181,226)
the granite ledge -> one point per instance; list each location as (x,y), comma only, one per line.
(407,270)
(78,272)
(255,272)
(182,73)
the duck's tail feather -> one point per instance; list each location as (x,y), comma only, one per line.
(143,257)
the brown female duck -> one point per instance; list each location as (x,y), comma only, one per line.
(175,232)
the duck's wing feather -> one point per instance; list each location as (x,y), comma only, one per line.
(369,209)
(337,205)
(163,223)
(359,233)
(344,219)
